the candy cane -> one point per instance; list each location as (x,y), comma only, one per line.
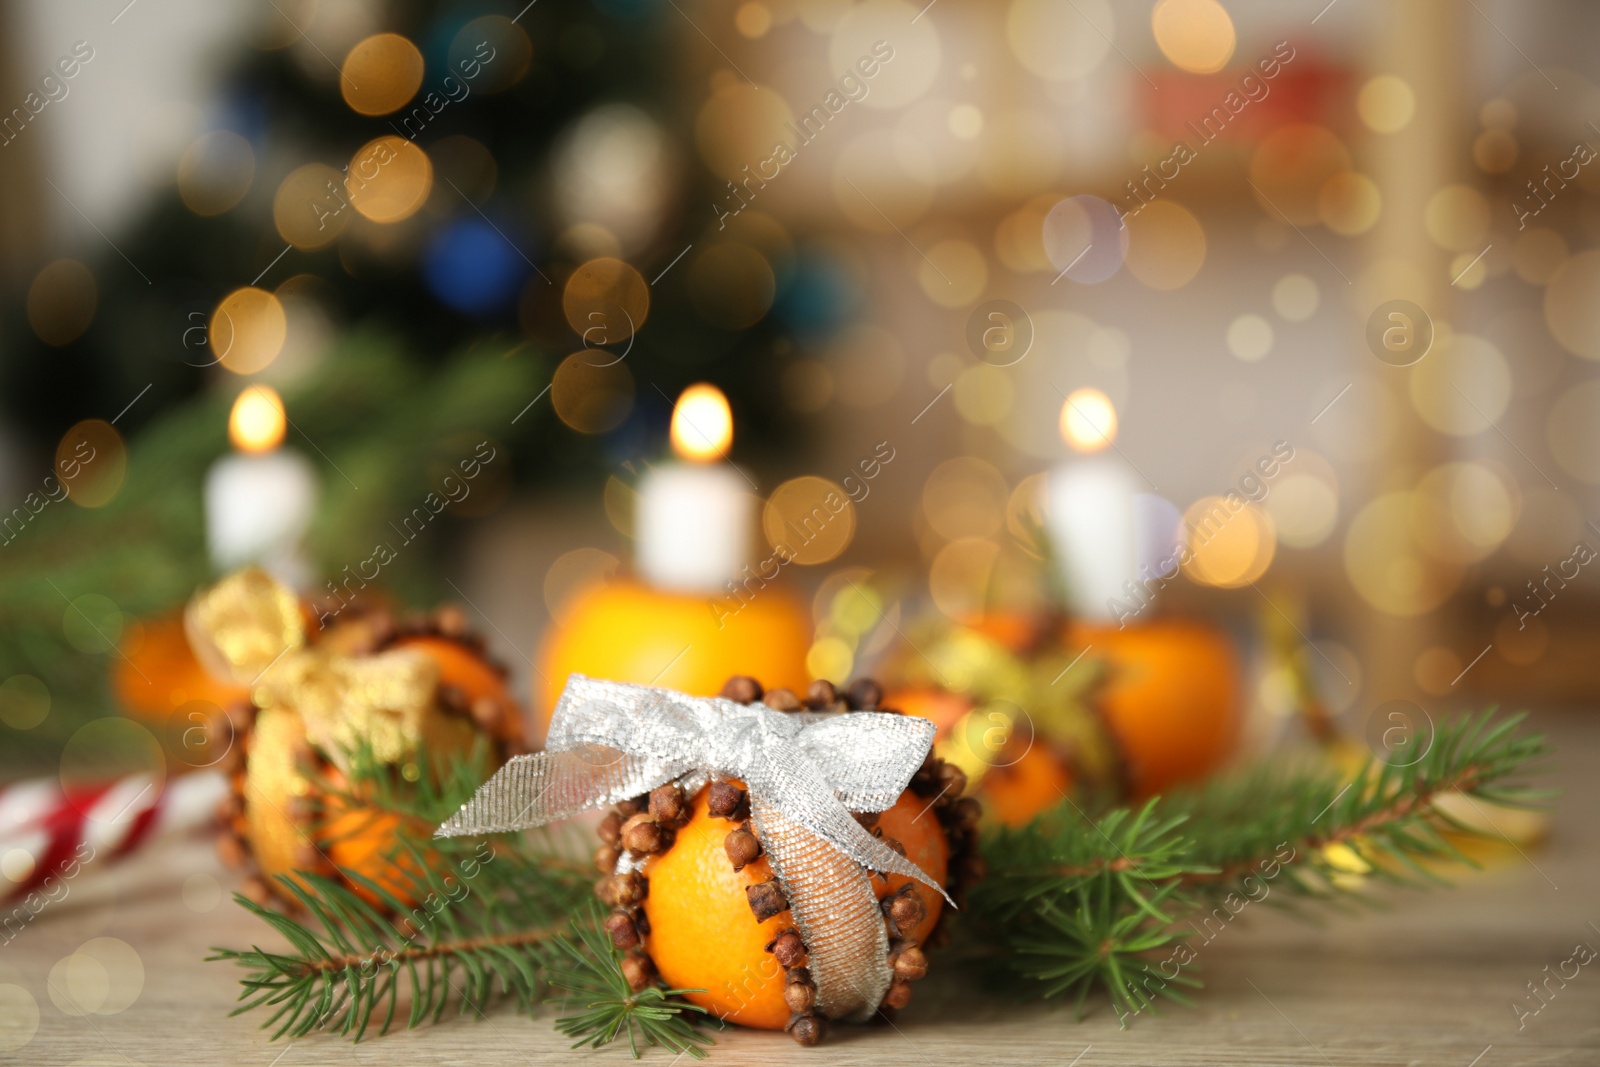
(56,829)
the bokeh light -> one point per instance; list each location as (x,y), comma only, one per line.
(381,74)
(1249,338)
(811,519)
(1049,39)
(1231,543)
(1085,238)
(1088,420)
(389,179)
(62,301)
(1570,299)
(1295,297)
(92,463)
(1166,245)
(311,207)
(1463,387)
(1194,35)
(606,301)
(592,392)
(1457,218)
(1386,104)
(1291,165)
(906,49)
(965,497)
(1572,430)
(248,330)
(215,172)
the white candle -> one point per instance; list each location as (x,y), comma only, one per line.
(694,519)
(260,500)
(1090,512)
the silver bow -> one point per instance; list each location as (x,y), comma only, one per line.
(806,772)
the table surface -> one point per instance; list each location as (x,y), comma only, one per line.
(1429,981)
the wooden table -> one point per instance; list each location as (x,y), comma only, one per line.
(1430,982)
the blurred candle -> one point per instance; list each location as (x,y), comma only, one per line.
(694,519)
(1090,510)
(259,500)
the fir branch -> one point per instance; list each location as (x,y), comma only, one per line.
(607,1006)
(1089,904)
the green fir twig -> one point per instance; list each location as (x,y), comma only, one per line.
(1079,904)
(607,1007)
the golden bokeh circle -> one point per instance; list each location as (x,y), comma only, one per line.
(606,301)
(1227,547)
(1295,297)
(869,30)
(983,394)
(248,329)
(92,463)
(1572,430)
(310,208)
(62,301)
(958,577)
(1049,39)
(752,19)
(215,172)
(389,179)
(1462,387)
(592,392)
(965,497)
(1570,300)
(1290,166)
(1349,203)
(1537,253)
(1304,509)
(1195,35)
(739,126)
(1495,151)
(1457,218)
(1250,338)
(1166,245)
(1470,514)
(1386,104)
(19,1017)
(1386,563)
(811,519)
(731,285)
(380,74)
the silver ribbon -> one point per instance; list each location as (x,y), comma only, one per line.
(805,771)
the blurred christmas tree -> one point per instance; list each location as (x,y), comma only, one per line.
(422,222)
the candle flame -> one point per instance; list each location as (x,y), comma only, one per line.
(1088,420)
(257,421)
(702,424)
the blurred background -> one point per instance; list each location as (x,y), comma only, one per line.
(380,238)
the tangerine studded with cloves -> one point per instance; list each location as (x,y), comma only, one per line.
(703,909)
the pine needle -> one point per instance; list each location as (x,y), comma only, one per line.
(1079,904)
